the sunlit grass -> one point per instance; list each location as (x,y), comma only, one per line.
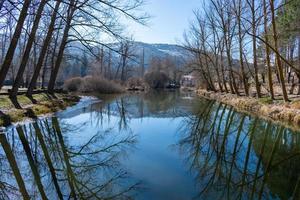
(266,100)
(44,104)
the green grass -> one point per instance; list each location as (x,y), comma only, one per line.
(16,115)
(5,102)
(266,100)
(44,105)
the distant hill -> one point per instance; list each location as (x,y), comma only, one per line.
(76,53)
(161,51)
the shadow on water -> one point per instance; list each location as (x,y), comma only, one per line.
(81,153)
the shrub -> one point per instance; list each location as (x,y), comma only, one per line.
(100,85)
(156,79)
(135,83)
(73,84)
(92,84)
(295,104)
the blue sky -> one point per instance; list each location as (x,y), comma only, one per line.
(169,20)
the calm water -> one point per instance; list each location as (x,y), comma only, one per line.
(159,145)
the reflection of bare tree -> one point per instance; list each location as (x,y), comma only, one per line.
(139,105)
(94,158)
(123,122)
(90,170)
(31,161)
(270,161)
(48,159)
(15,169)
(238,157)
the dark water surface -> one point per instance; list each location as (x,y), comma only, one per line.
(159,145)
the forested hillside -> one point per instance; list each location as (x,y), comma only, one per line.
(109,60)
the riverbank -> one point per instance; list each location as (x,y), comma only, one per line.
(40,104)
(278,111)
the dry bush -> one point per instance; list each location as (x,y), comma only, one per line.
(73,84)
(295,104)
(100,85)
(135,83)
(156,79)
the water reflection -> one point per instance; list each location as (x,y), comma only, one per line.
(45,165)
(236,156)
(158,145)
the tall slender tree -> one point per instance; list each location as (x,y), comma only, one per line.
(43,52)
(238,12)
(278,59)
(13,44)
(267,50)
(253,9)
(70,14)
(29,45)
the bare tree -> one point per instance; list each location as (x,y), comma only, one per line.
(29,45)
(253,12)
(278,60)
(238,10)
(267,49)
(11,50)
(71,10)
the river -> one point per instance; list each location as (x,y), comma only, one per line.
(156,145)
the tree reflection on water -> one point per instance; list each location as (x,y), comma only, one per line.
(62,170)
(236,156)
(82,153)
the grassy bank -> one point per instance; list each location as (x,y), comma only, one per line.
(278,111)
(40,104)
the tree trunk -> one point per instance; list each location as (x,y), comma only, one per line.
(219,79)
(43,50)
(13,44)
(298,77)
(45,71)
(292,85)
(257,84)
(267,49)
(109,65)
(223,73)
(291,60)
(143,63)
(279,64)
(26,54)
(232,83)
(101,61)
(123,68)
(209,74)
(208,85)
(263,78)
(62,47)
(229,67)
(245,80)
